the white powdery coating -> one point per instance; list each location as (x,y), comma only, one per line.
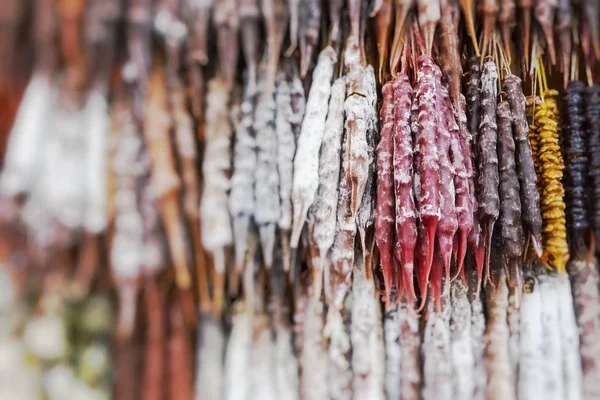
(531,358)
(551,339)
(429,12)
(241,197)
(286,147)
(209,376)
(214,214)
(27,136)
(262,384)
(584,278)
(237,357)
(461,341)
(342,253)
(339,377)
(313,354)
(366,212)
(298,99)
(368,352)
(393,353)
(286,364)
(410,340)
(266,188)
(127,247)
(306,162)
(324,209)
(478,346)
(437,356)
(569,332)
(501,380)
(96,178)
(60,186)
(356,108)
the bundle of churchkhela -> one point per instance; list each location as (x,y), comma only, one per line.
(300,199)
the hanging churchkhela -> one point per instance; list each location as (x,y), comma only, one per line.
(300,199)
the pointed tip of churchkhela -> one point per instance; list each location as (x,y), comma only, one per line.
(479,256)
(488,233)
(408,282)
(306,52)
(285,249)
(383,24)
(241,224)
(445,245)
(436,279)
(299,220)
(127,309)
(425,262)
(267,243)
(387,267)
(515,280)
(467,9)
(461,252)
(536,242)
(526,22)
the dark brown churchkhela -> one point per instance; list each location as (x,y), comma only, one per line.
(592,114)
(576,163)
(488,179)
(510,207)
(489,13)
(473,96)
(530,197)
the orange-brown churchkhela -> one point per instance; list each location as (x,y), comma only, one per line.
(507,18)
(310,21)
(383,25)
(449,54)
(525,12)
(563,30)
(489,14)
(157,124)
(544,13)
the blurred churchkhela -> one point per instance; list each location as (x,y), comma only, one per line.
(299,199)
